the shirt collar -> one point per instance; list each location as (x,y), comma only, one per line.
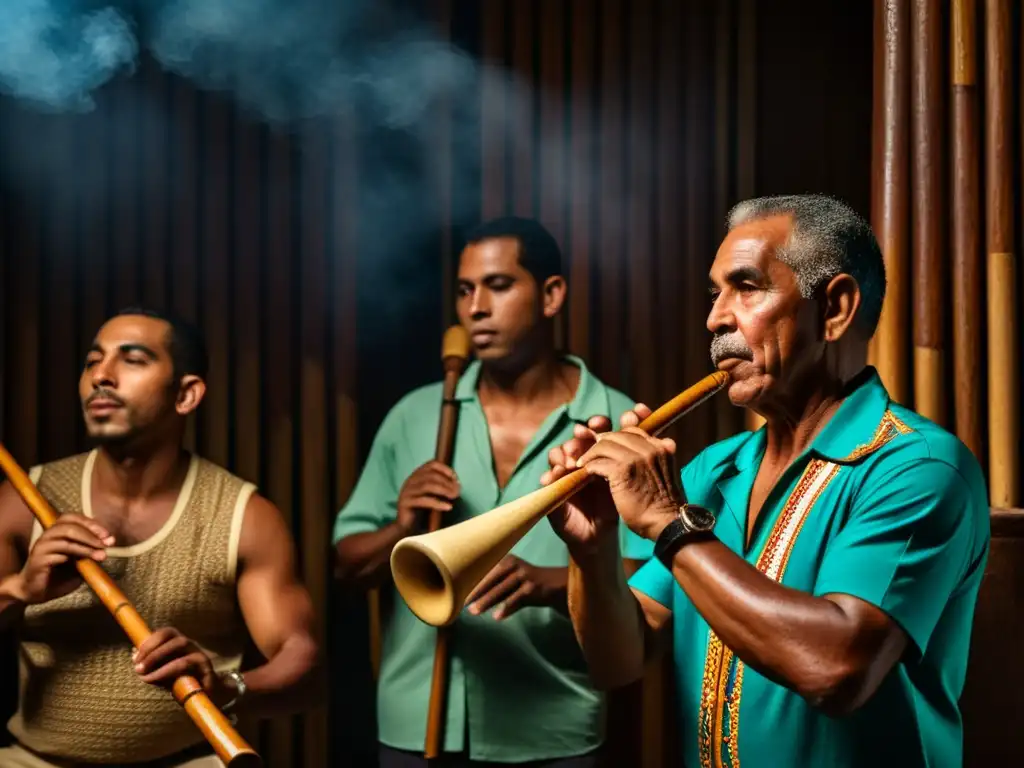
(590,397)
(851,433)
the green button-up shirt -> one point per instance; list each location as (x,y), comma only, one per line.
(884,506)
(519,688)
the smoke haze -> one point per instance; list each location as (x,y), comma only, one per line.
(293,65)
(283,60)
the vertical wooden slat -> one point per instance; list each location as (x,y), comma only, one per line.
(313,398)
(968,343)
(59,243)
(443,159)
(183,160)
(7,316)
(216,296)
(95,236)
(746,122)
(724,177)
(27,334)
(550,153)
(893,234)
(670,202)
(125,156)
(551,150)
(746,99)
(929,262)
(612,162)
(702,229)
(344,339)
(877,136)
(153,140)
(582,175)
(493,109)
(279,418)
(1003,350)
(723,106)
(522,110)
(245,285)
(644,341)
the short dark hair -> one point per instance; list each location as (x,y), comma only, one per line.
(186,345)
(828,238)
(538,250)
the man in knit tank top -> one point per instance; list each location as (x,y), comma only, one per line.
(207,562)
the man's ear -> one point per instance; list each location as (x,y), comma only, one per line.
(553,295)
(191,390)
(840,304)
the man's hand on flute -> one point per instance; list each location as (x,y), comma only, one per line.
(49,571)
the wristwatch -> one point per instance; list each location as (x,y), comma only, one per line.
(692,519)
(240,689)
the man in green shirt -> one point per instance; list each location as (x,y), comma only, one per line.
(821,573)
(519,690)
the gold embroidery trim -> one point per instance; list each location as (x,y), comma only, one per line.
(888,428)
(720,701)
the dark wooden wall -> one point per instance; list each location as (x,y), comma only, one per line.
(319,260)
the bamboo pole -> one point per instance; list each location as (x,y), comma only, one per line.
(929,248)
(891,346)
(1003,354)
(877,137)
(967,308)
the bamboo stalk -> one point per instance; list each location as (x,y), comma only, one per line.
(929,219)
(967,308)
(891,347)
(1003,354)
(877,138)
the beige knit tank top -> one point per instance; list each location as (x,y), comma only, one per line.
(80,698)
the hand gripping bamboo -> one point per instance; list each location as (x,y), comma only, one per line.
(230,747)
(454,354)
(435,572)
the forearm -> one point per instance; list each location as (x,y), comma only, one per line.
(795,639)
(287,683)
(607,619)
(364,559)
(12,606)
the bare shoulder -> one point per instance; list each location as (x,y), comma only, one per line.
(265,535)
(16,518)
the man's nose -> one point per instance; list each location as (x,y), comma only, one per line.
(481,305)
(103,376)
(720,318)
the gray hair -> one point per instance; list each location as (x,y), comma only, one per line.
(828,238)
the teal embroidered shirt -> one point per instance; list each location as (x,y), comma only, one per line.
(885,506)
(519,688)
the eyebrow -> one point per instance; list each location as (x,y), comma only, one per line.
(488,276)
(740,275)
(126,348)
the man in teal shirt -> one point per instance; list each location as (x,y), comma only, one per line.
(821,573)
(519,690)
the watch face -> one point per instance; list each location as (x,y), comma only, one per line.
(700,518)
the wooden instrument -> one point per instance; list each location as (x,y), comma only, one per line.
(435,572)
(454,354)
(230,747)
